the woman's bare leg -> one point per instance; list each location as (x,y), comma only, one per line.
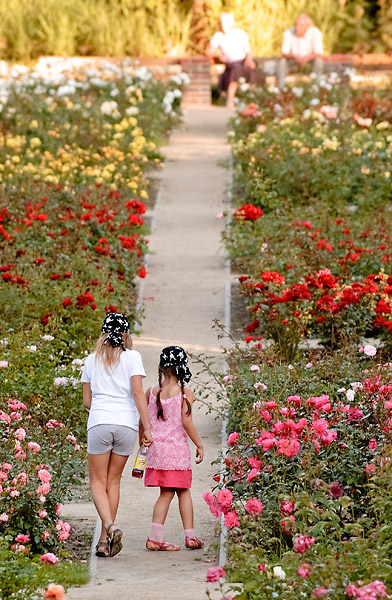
(98,465)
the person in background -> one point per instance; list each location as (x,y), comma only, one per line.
(302,44)
(231,46)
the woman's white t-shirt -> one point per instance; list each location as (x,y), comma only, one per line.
(112,401)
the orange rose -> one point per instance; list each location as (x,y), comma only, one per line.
(54,592)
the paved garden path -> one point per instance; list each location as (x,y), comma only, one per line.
(182,294)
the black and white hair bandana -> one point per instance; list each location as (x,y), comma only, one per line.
(115,324)
(175,356)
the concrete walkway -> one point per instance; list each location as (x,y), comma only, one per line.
(182,294)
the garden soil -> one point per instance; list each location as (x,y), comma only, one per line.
(182,295)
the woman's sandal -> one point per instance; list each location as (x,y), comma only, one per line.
(114,539)
(102,549)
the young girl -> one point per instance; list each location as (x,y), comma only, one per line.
(169,458)
(113,393)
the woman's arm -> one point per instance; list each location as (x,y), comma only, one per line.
(190,427)
(141,428)
(141,405)
(87,395)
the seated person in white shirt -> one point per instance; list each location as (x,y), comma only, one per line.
(231,46)
(301,45)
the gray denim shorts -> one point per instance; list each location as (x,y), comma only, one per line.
(117,438)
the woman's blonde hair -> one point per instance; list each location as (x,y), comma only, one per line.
(107,354)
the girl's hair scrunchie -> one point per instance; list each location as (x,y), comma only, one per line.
(175,357)
(115,324)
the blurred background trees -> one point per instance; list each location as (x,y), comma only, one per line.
(179,27)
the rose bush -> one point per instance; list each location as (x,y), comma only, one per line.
(301,480)
(76,154)
(304,486)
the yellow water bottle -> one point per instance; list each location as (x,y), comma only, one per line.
(140,463)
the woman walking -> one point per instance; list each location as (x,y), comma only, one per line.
(113,394)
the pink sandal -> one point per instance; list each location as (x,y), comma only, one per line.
(163,545)
(193,543)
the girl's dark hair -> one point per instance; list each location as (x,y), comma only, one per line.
(167,372)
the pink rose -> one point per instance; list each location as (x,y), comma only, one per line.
(50,558)
(329,437)
(320,591)
(215,573)
(253,506)
(329,112)
(261,567)
(286,507)
(303,543)
(294,400)
(320,426)
(20,434)
(43,489)
(34,447)
(304,570)
(372,444)
(42,514)
(4,517)
(253,473)
(289,448)
(270,405)
(231,519)
(44,476)
(22,538)
(211,501)
(362,121)
(233,437)
(224,498)
(255,463)
(19,548)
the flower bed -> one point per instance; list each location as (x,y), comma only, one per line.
(75,157)
(305,485)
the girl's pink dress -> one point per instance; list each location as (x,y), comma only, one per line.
(169,456)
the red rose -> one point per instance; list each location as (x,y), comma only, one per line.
(248,212)
(84,299)
(67,302)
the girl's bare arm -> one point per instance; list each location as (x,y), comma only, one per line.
(87,395)
(190,427)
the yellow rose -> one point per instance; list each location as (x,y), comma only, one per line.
(35,142)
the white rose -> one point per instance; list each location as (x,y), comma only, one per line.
(350,395)
(369,350)
(278,572)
